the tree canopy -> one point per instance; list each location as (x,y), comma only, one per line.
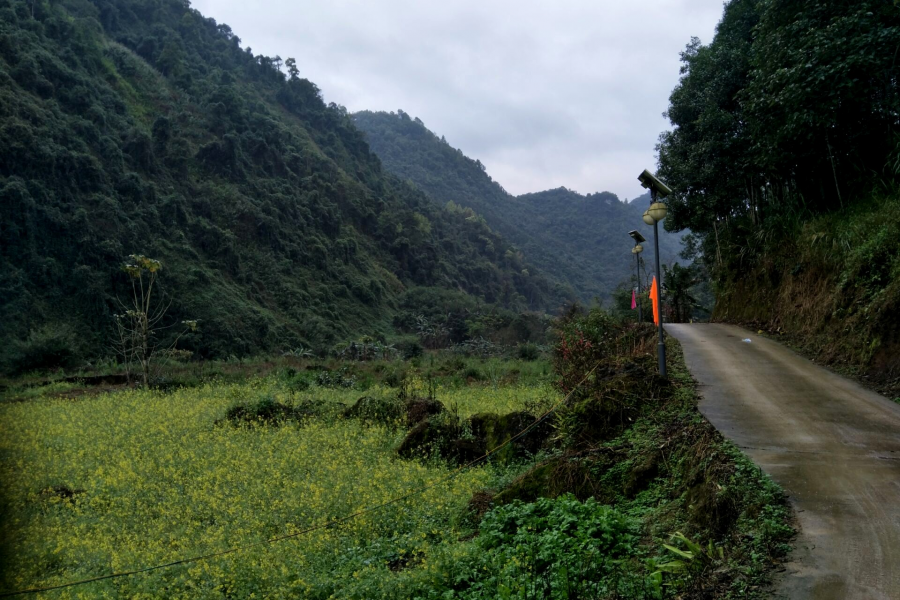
(793,109)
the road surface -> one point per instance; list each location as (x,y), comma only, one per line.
(831,444)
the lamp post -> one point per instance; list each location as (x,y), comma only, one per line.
(652,216)
(638,248)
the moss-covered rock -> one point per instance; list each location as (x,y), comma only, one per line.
(643,471)
(493,430)
(531,485)
(426,438)
(464,451)
(420,409)
(577,475)
(489,431)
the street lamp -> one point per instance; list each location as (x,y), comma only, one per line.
(652,216)
(638,248)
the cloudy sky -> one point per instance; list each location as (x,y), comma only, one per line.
(546,94)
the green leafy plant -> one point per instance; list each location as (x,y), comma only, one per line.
(559,548)
(690,559)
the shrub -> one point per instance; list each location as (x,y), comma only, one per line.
(395,376)
(265,411)
(295,381)
(377,410)
(50,347)
(528,351)
(410,348)
(478,347)
(335,379)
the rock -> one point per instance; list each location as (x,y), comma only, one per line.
(465,451)
(493,430)
(425,438)
(420,409)
(529,486)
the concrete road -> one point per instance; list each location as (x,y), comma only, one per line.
(830,443)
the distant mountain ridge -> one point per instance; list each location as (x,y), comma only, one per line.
(143,127)
(577,240)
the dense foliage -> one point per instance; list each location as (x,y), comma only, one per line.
(792,109)
(142,127)
(559,548)
(638,442)
(785,163)
(579,240)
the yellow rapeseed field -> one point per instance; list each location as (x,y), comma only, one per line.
(132,479)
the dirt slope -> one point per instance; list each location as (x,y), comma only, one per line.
(831,444)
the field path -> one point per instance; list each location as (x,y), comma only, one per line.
(830,443)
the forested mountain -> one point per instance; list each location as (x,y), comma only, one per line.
(140,126)
(784,159)
(580,240)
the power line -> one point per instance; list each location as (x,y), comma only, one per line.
(318,527)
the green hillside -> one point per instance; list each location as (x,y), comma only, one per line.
(784,159)
(580,240)
(140,126)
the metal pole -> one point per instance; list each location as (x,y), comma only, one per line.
(637,257)
(661,347)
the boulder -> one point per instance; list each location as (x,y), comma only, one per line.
(420,409)
(425,438)
(493,430)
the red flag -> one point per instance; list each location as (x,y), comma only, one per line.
(654,295)
(633,301)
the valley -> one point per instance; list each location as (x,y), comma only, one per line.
(255,344)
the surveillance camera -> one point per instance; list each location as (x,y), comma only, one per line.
(653,184)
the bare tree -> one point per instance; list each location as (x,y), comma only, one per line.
(138,324)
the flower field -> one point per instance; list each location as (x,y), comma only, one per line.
(137,478)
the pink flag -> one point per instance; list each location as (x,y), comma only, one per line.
(633,301)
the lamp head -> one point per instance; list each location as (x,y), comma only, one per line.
(637,249)
(657,211)
(647,218)
(648,181)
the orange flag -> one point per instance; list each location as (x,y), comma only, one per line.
(654,295)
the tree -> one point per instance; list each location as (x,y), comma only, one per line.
(791,109)
(677,284)
(138,325)
(293,71)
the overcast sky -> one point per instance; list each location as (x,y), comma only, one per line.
(544,93)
